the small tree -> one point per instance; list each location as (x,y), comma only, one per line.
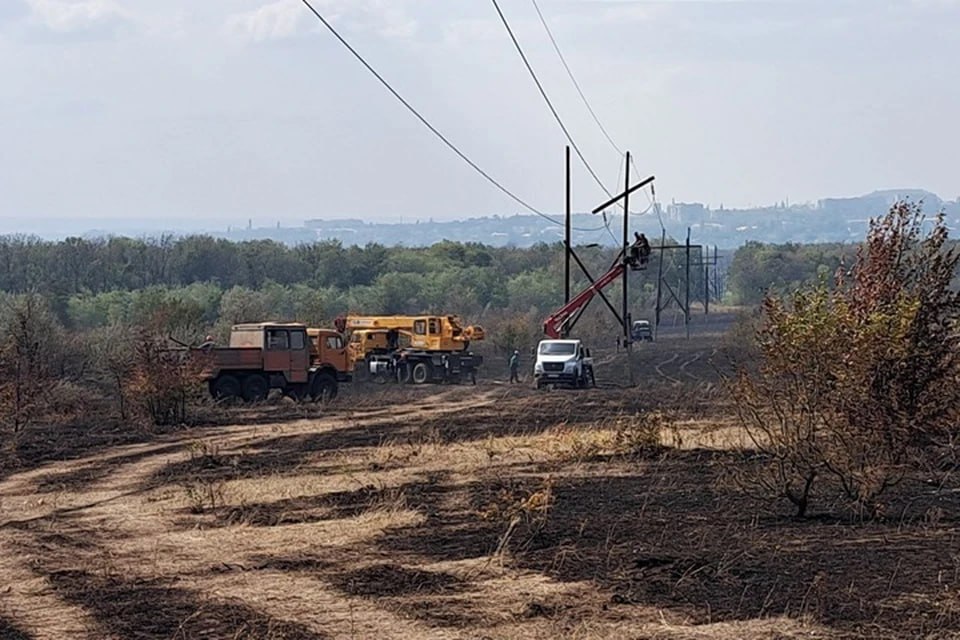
(163,377)
(29,346)
(857,382)
(162,380)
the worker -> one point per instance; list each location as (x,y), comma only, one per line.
(208,343)
(403,370)
(515,367)
(640,249)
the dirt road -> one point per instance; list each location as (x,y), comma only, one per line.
(467,512)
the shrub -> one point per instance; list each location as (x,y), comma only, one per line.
(30,349)
(857,382)
(162,380)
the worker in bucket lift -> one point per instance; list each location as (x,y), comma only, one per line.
(639,250)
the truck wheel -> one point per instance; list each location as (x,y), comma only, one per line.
(421,372)
(324,388)
(296,392)
(255,388)
(225,388)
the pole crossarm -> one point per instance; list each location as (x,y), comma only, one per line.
(623,195)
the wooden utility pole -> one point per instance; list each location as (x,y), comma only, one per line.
(628,342)
(686,310)
(626,248)
(716,275)
(663,241)
(566,239)
(706,280)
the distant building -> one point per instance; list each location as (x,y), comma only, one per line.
(687,212)
(847,208)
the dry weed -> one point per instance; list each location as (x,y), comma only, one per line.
(618,436)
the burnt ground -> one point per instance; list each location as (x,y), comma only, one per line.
(460,512)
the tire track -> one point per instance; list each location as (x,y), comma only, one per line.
(659,370)
(683,367)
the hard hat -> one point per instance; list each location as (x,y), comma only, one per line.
(516,352)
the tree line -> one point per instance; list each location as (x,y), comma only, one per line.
(91,283)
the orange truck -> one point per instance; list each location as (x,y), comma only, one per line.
(303,363)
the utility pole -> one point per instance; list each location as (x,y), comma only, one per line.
(626,248)
(716,275)
(663,241)
(625,196)
(706,280)
(566,241)
(628,343)
(686,310)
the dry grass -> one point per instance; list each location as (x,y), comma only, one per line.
(460,512)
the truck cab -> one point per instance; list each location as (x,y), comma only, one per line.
(641,331)
(329,352)
(563,362)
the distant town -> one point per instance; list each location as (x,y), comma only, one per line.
(827,220)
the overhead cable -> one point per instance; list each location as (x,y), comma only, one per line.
(546,98)
(427,124)
(573,79)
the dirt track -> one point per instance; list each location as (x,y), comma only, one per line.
(466,512)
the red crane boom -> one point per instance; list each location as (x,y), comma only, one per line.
(554,323)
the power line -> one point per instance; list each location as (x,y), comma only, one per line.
(573,79)
(427,124)
(543,93)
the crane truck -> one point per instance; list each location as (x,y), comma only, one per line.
(411,349)
(567,361)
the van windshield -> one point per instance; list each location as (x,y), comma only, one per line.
(558,348)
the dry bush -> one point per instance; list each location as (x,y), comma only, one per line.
(205,495)
(162,382)
(521,508)
(856,382)
(110,351)
(639,433)
(30,350)
(619,435)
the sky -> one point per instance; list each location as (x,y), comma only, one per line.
(215,112)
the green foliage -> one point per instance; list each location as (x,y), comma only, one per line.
(857,382)
(758,268)
(213,282)
(535,289)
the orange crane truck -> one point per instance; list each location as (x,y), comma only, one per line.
(411,349)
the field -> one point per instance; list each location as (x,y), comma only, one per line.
(492,511)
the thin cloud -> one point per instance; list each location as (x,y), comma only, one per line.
(70,17)
(285,19)
(275,21)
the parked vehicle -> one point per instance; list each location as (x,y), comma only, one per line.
(411,349)
(563,362)
(266,355)
(641,331)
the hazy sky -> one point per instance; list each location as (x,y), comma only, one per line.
(230,109)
